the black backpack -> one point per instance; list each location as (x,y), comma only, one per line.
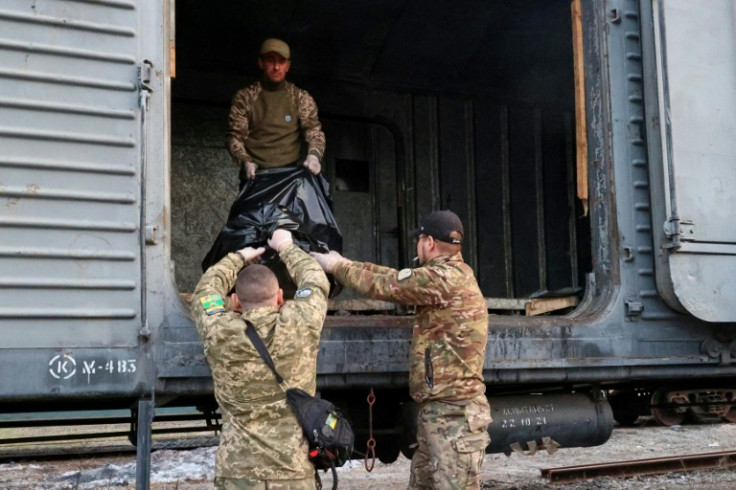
(328,432)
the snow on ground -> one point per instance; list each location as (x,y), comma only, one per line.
(193,469)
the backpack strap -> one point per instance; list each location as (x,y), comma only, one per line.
(257,342)
(255,339)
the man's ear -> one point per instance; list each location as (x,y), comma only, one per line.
(260,63)
(280,297)
(235,302)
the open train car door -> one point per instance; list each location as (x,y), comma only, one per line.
(695,52)
(72,219)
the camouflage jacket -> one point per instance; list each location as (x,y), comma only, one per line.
(261,439)
(300,127)
(448,343)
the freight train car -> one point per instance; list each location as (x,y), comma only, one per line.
(587,145)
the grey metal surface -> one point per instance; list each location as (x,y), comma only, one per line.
(696,56)
(71,175)
(70,255)
(631,167)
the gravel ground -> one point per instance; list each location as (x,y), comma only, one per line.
(192,469)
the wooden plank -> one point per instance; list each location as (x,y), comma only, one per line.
(581,135)
(544,305)
(387,306)
(506,303)
(360,305)
(372,321)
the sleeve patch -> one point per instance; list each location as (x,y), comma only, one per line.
(404,274)
(212,303)
(303,293)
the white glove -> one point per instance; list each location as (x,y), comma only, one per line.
(312,163)
(250,169)
(328,261)
(279,239)
(250,253)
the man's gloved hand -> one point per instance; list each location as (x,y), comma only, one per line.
(328,261)
(250,169)
(312,163)
(279,239)
(249,254)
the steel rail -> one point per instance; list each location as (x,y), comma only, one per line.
(649,466)
(74,449)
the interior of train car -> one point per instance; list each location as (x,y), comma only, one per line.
(469,106)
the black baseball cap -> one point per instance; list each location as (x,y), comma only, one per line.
(439,225)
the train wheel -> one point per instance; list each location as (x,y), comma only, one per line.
(666,415)
(387,451)
(409,413)
(624,419)
(730,415)
(626,407)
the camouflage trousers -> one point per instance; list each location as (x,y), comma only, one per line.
(451,442)
(248,484)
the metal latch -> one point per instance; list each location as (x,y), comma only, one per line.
(144,83)
(671,229)
(151,235)
(634,308)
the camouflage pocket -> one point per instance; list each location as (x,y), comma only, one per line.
(472,443)
(478,414)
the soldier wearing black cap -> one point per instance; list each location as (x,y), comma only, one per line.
(273,123)
(447,349)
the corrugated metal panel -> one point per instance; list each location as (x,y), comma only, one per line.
(697,60)
(70,268)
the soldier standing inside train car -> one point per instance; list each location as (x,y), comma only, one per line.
(447,349)
(262,444)
(273,123)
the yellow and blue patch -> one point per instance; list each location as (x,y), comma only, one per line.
(331,421)
(303,293)
(212,303)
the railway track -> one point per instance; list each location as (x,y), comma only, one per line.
(79,449)
(74,454)
(647,466)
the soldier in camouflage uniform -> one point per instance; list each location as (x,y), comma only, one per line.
(447,349)
(273,123)
(261,445)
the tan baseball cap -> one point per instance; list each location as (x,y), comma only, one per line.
(273,45)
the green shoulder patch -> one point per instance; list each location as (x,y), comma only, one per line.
(404,274)
(303,293)
(212,303)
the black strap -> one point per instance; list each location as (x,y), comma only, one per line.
(334,474)
(255,339)
(250,330)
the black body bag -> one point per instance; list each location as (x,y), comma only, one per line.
(327,430)
(286,197)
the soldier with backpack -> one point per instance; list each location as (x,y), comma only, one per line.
(262,444)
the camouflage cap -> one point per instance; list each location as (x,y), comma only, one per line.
(439,225)
(273,45)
